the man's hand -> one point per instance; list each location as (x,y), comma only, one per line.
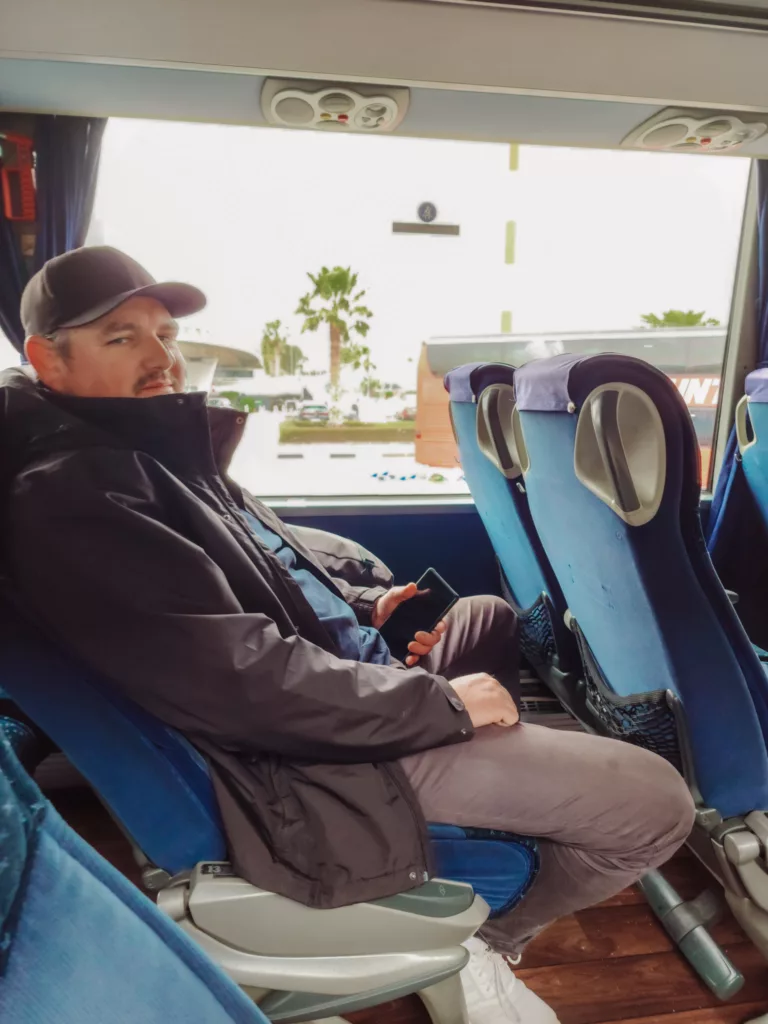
(486,700)
(387,603)
(423,642)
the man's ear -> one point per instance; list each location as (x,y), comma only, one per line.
(44,359)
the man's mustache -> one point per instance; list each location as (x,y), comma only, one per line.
(152,378)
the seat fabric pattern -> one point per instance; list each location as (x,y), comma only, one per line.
(81,945)
(500,866)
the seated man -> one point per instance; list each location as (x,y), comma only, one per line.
(136,551)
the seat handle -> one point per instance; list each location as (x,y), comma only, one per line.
(605,418)
(742,433)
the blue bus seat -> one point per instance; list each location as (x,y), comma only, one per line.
(493,452)
(59,900)
(157,784)
(612,481)
(25,742)
(158,787)
(478,393)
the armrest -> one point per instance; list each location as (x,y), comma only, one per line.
(745,847)
(434,916)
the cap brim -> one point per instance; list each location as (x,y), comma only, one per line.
(179,299)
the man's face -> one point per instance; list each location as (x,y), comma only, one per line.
(128,353)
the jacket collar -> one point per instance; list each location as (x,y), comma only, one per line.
(180,431)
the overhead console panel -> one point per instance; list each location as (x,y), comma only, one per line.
(697,131)
(333,106)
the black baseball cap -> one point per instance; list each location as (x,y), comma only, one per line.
(80,286)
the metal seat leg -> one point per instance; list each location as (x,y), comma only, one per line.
(686,924)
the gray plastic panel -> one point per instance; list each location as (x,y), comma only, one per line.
(327,975)
(248,918)
(433,899)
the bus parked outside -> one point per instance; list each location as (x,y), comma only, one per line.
(690,356)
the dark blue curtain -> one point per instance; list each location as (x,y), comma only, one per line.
(735,537)
(68,150)
(13,277)
(67,153)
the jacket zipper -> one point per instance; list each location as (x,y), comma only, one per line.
(291,589)
(406,792)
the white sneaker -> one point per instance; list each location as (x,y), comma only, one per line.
(494,995)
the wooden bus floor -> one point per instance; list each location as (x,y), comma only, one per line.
(610,963)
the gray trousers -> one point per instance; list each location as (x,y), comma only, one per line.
(604,812)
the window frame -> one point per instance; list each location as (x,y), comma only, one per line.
(741,343)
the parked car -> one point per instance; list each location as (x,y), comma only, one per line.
(407,413)
(219,402)
(313,412)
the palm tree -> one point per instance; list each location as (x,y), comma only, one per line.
(334,300)
(679,318)
(291,360)
(273,344)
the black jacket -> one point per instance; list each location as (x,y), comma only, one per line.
(126,539)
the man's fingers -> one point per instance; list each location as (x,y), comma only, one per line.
(511,717)
(441,627)
(430,639)
(387,603)
(421,649)
(407,592)
(411,660)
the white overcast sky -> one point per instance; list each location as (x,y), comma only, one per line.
(245,213)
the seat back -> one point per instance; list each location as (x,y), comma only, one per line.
(480,395)
(752,436)
(612,482)
(78,943)
(152,779)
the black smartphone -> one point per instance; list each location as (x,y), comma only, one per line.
(423,612)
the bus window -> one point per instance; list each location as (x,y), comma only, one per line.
(349,273)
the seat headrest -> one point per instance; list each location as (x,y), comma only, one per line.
(466,383)
(544,384)
(624,406)
(561,383)
(756,385)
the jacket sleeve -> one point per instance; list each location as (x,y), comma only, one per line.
(140,603)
